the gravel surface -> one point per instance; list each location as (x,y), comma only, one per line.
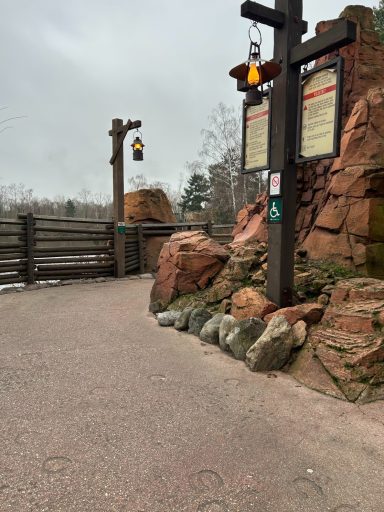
(102,410)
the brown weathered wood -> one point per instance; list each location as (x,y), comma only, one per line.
(74,271)
(81,267)
(134,125)
(140,237)
(12,233)
(44,277)
(262,14)
(341,34)
(14,268)
(30,248)
(12,221)
(88,259)
(72,239)
(85,231)
(118,195)
(283,144)
(68,219)
(12,278)
(12,256)
(76,248)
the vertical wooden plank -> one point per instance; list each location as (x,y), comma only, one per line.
(118,198)
(281,237)
(140,240)
(30,248)
(209,228)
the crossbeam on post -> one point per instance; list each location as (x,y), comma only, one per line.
(267,16)
(338,36)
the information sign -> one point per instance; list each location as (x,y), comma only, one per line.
(275,183)
(275,210)
(320,112)
(121,228)
(256,136)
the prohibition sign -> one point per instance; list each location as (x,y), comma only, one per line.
(274,183)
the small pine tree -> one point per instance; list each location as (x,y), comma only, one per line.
(70,208)
(378,14)
(195,193)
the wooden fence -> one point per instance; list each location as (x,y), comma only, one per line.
(42,248)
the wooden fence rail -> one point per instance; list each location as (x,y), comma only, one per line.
(40,248)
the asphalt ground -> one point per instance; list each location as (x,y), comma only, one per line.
(102,410)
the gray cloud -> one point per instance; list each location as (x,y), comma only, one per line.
(72,66)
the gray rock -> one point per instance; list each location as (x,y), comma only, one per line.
(210,331)
(197,320)
(299,333)
(133,278)
(145,276)
(243,336)
(227,324)
(272,350)
(168,318)
(182,322)
(156,307)
(100,280)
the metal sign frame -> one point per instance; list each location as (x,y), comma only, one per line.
(267,94)
(337,64)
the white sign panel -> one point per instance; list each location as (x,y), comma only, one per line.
(256,137)
(275,184)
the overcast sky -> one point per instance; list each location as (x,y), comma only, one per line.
(71,66)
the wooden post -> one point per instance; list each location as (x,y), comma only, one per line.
(209,228)
(287,21)
(140,241)
(281,237)
(30,248)
(118,197)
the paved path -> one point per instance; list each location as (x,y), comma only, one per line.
(101,410)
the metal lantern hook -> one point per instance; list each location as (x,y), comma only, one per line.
(137,131)
(254,25)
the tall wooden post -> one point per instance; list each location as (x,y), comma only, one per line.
(30,248)
(118,197)
(289,26)
(281,237)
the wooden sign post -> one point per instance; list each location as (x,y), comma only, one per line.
(287,21)
(118,133)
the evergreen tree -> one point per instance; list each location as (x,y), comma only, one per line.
(70,208)
(378,14)
(195,193)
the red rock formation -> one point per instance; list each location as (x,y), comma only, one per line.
(187,264)
(309,313)
(350,225)
(146,206)
(248,303)
(348,345)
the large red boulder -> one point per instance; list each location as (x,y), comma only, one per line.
(187,263)
(249,302)
(146,206)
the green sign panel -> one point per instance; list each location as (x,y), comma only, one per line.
(275,210)
(121,228)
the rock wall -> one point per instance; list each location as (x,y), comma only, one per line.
(349,228)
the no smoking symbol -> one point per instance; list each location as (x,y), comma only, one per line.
(275,181)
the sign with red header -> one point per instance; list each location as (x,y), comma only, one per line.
(256,134)
(319,116)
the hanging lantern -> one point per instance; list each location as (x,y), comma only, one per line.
(137,146)
(255,72)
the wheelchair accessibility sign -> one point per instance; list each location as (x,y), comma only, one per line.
(275,210)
